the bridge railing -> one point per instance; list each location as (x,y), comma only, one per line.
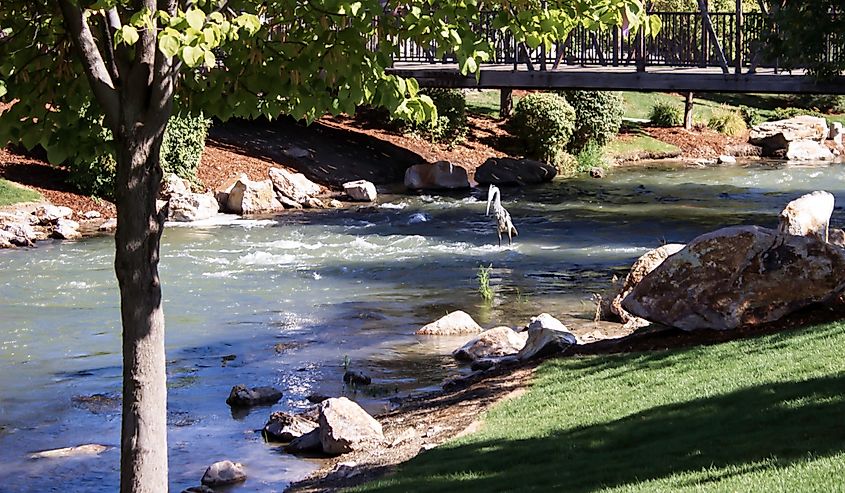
(682,41)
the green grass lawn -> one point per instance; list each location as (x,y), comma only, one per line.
(484,102)
(13,194)
(762,415)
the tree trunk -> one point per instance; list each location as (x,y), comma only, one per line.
(688,104)
(143,459)
(505,103)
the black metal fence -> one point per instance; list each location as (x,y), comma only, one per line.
(682,41)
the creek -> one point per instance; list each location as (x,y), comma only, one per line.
(287,300)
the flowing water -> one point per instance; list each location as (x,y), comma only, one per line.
(285,301)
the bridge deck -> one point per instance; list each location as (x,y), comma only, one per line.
(656,78)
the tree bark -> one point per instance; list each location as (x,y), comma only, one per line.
(505,103)
(143,458)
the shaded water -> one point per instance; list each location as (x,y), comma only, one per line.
(327,285)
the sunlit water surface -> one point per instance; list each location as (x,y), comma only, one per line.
(328,285)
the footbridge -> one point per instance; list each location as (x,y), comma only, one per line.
(693,52)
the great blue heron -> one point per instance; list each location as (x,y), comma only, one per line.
(503,219)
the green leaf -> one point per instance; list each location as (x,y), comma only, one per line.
(192,56)
(413,87)
(169,45)
(655,25)
(209,59)
(195,18)
(3,89)
(126,34)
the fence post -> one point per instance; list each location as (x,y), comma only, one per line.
(615,46)
(739,49)
(640,50)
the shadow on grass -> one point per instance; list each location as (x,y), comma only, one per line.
(778,424)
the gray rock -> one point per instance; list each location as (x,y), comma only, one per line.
(66,229)
(223,473)
(345,427)
(241,396)
(546,335)
(190,206)
(808,215)
(742,275)
(294,186)
(645,264)
(22,234)
(63,453)
(251,197)
(360,190)
(92,215)
(836,133)
(49,214)
(807,150)
(222,192)
(441,175)
(284,427)
(596,172)
(108,226)
(725,159)
(775,136)
(198,489)
(493,343)
(510,171)
(455,323)
(335,204)
(173,185)
(307,443)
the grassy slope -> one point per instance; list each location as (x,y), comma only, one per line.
(765,414)
(13,194)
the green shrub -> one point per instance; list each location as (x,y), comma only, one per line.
(752,116)
(451,124)
(728,123)
(790,112)
(591,156)
(822,103)
(598,116)
(184,141)
(666,115)
(544,122)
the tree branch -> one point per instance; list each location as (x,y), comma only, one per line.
(92,61)
(122,52)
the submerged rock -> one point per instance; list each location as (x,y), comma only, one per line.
(361,190)
(284,427)
(546,335)
(742,275)
(808,215)
(510,171)
(241,396)
(645,264)
(78,451)
(441,175)
(345,427)
(223,473)
(455,323)
(493,343)
(198,489)
(356,378)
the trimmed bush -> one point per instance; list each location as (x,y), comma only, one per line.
(598,116)
(822,103)
(451,124)
(752,116)
(786,113)
(728,123)
(666,115)
(544,122)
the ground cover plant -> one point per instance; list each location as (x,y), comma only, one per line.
(13,194)
(761,414)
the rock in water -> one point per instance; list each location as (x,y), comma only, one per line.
(241,396)
(284,427)
(546,335)
(252,197)
(774,137)
(295,186)
(192,207)
(198,489)
(510,171)
(808,150)
(61,453)
(441,175)
(356,378)
(493,343)
(645,264)
(66,229)
(345,427)
(808,215)
(224,472)
(360,190)
(455,323)
(742,275)
(309,442)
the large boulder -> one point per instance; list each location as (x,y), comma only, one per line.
(510,171)
(192,207)
(441,175)
(307,443)
(808,215)
(241,396)
(66,229)
(50,214)
(252,197)
(742,275)
(19,233)
(546,335)
(295,186)
(222,192)
(808,150)
(774,137)
(836,133)
(493,343)
(455,323)
(223,473)
(645,264)
(345,427)
(284,427)
(360,190)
